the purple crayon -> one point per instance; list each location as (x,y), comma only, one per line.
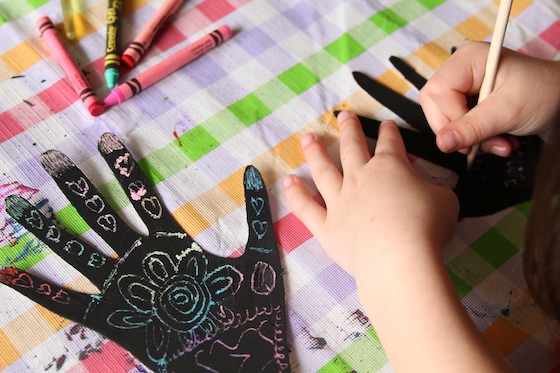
(157,72)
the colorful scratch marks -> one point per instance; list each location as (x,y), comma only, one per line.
(170,303)
(17,245)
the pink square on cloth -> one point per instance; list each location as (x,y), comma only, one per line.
(552,35)
(215,9)
(291,233)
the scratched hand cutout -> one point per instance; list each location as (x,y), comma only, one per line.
(174,306)
(493,183)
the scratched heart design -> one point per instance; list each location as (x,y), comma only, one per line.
(95,204)
(61,297)
(107,222)
(53,233)
(79,187)
(258,204)
(124,165)
(96,260)
(34,219)
(263,278)
(44,289)
(23,280)
(260,228)
(137,190)
(152,207)
(74,247)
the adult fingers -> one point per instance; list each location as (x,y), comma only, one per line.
(325,174)
(353,146)
(305,208)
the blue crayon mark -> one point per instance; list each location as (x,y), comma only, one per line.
(257,204)
(252,179)
(262,250)
(260,228)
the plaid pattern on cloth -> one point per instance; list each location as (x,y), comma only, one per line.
(283,73)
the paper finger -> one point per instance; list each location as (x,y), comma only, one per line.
(262,239)
(75,252)
(89,203)
(67,303)
(136,185)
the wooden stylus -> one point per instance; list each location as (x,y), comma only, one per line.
(492,62)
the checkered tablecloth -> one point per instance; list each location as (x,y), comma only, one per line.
(286,69)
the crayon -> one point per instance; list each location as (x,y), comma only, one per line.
(68,16)
(142,42)
(112,58)
(72,71)
(157,72)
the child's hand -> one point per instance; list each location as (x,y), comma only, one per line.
(385,225)
(525,99)
(378,205)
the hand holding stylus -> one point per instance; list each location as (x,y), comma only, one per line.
(515,106)
(492,62)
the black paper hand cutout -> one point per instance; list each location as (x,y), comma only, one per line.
(174,306)
(493,184)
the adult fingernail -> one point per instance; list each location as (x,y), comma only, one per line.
(450,141)
(307,139)
(343,115)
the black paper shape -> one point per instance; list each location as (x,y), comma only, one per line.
(493,184)
(174,306)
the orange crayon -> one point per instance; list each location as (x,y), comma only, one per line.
(142,42)
(72,71)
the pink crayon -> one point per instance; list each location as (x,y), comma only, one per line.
(72,71)
(157,72)
(142,42)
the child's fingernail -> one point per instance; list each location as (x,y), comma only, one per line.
(499,150)
(450,140)
(343,115)
(288,181)
(307,139)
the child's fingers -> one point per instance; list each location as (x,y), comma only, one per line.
(444,97)
(480,123)
(449,106)
(325,174)
(389,141)
(499,145)
(303,205)
(353,146)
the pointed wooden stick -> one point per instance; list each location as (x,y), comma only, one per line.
(492,62)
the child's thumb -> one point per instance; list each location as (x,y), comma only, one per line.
(480,123)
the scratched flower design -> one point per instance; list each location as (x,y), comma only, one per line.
(179,303)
